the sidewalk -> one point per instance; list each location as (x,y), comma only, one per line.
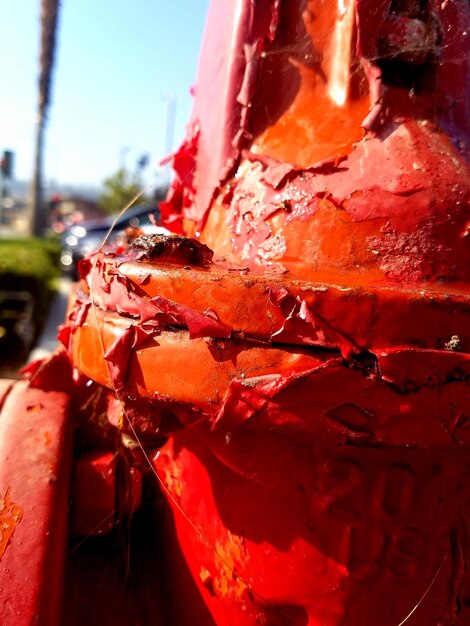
(47,341)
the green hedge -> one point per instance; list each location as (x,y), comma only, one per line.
(30,264)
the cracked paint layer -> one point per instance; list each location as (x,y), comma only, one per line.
(306,390)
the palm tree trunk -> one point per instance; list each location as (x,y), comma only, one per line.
(49,17)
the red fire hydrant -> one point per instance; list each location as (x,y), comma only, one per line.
(295,374)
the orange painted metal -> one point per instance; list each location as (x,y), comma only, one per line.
(347,309)
(171,366)
(304,521)
(302,397)
(299,393)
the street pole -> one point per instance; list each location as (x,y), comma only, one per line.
(37,209)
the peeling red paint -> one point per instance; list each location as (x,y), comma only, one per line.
(10,516)
(400,222)
(299,383)
(181,195)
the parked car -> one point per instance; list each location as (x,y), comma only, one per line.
(86,237)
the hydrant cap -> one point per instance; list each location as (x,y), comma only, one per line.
(332,137)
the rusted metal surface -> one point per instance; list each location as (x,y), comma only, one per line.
(308,533)
(343,172)
(313,375)
(292,374)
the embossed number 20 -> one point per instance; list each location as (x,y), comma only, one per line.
(373,506)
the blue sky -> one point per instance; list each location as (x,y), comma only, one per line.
(116,61)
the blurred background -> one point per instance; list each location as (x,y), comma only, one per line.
(93,96)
